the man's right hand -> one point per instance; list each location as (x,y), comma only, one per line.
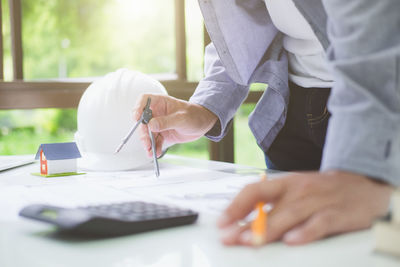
(174,121)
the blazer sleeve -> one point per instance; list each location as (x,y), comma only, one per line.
(364,130)
(218,93)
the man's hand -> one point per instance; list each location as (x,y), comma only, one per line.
(174,121)
(307,207)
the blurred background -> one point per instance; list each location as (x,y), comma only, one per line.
(64,39)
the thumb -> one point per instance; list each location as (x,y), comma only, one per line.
(163,123)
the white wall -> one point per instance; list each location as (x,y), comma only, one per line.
(59,166)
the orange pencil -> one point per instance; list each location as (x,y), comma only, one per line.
(259,225)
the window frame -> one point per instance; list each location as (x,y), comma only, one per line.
(20,94)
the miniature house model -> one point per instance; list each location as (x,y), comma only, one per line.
(57,158)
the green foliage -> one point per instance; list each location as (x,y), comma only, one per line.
(26,130)
(80,38)
(258,86)
(22,131)
(65,119)
(197,149)
(27,141)
(87,38)
(247,151)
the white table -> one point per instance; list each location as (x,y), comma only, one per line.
(27,243)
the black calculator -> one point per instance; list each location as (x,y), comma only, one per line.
(111,219)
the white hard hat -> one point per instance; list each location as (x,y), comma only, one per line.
(105,117)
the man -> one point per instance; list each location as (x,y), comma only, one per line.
(361,152)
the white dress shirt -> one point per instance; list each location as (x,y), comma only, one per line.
(307,61)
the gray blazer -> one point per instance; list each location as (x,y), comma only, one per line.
(362,41)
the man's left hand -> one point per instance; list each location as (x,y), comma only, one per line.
(307,207)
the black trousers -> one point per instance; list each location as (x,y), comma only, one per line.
(299,144)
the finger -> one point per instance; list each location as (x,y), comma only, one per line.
(159,144)
(146,143)
(140,105)
(168,122)
(145,138)
(159,104)
(285,216)
(239,235)
(143,131)
(279,223)
(233,234)
(316,227)
(158,139)
(246,200)
(137,114)
(323,224)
